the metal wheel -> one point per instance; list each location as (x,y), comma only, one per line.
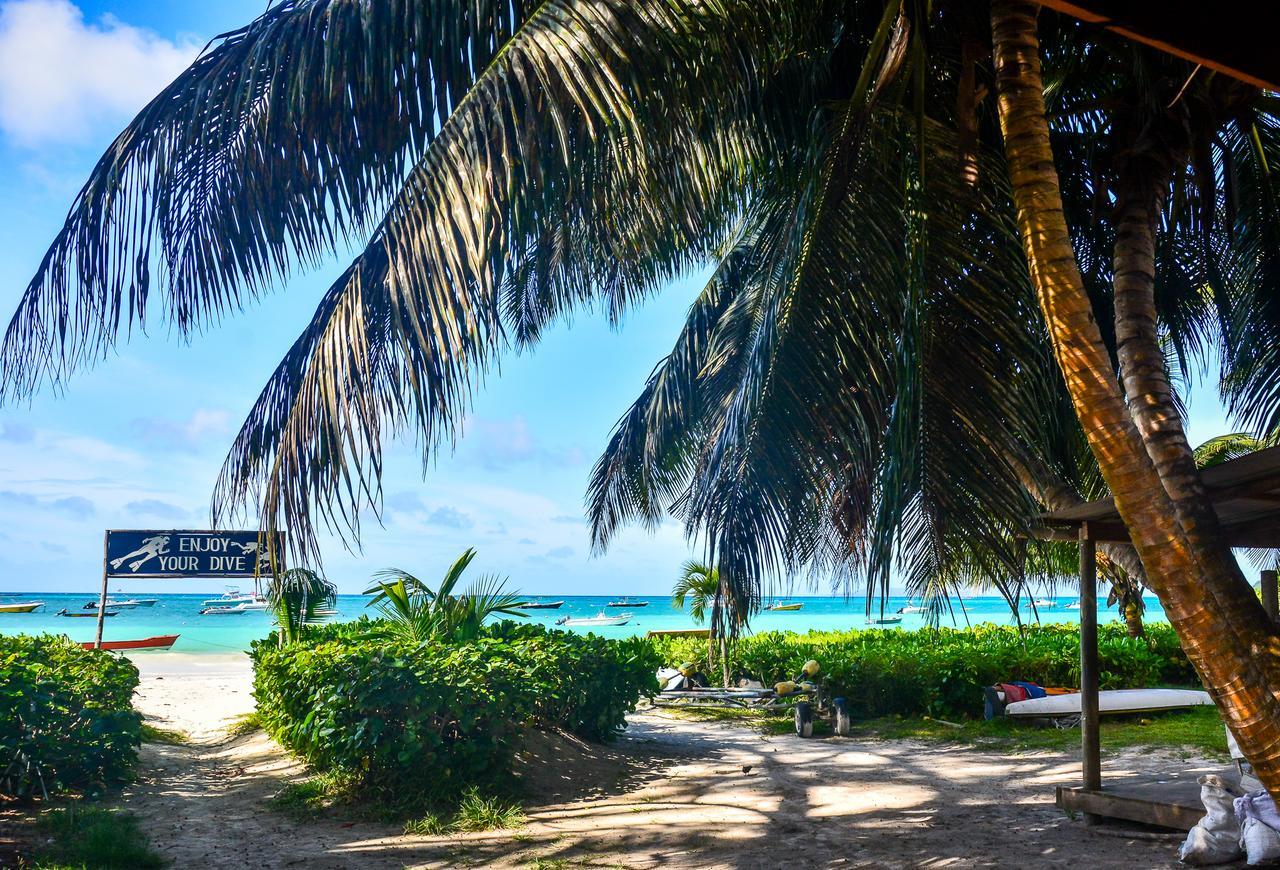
(844,722)
(804,719)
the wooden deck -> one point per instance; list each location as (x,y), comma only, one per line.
(1171,801)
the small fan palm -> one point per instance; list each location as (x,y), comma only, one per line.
(701,587)
(413,610)
(297,596)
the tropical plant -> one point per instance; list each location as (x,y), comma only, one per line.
(701,587)
(415,611)
(507,162)
(297,597)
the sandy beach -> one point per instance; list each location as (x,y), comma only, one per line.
(669,793)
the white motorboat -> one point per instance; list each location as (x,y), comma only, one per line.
(116,604)
(911,608)
(600,618)
(1111,701)
(884,620)
(228,610)
(233,597)
(1074,605)
(1042,604)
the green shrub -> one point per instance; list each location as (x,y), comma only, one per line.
(938,672)
(66,716)
(437,717)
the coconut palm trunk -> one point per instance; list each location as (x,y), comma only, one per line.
(1224,654)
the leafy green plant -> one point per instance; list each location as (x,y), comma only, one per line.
(67,721)
(297,597)
(413,610)
(420,720)
(701,586)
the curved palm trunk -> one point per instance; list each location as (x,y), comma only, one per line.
(1223,655)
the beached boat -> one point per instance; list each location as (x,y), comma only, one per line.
(87,614)
(1112,701)
(884,620)
(21,607)
(163,641)
(540,605)
(626,602)
(780,606)
(599,619)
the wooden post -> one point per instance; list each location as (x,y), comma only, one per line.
(102,599)
(1270,596)
(1089,736)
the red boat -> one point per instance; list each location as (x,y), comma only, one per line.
(163,641)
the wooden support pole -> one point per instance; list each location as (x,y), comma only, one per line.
(1089,735)
(102,599)
(1270,595)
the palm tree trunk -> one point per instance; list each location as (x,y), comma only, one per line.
(1223,657)
(1140,191)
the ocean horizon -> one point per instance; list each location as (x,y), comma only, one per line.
(179,614)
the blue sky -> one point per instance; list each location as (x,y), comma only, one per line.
(108,454)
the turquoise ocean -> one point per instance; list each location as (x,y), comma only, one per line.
(179,614)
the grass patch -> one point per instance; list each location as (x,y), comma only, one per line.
(1198,731)
(170,737)
(311,797)
(476,812)
(244,725)
(88,838)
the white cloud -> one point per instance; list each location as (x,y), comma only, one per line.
(62,77)
(187,434)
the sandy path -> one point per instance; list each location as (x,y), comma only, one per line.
(709,795)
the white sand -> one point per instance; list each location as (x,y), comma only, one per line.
(671,793)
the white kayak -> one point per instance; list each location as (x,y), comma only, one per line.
(1111,701)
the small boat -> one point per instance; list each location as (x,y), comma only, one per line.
(600,618)
(145,602)
(911,608)
(540,605)
(626,602)
(114,604)
(234,596)
(163,641)
(1111,701)
(884,620)
(224,611)
(86,614)
(1042,603)
(788,607)
(21,607)
(1074,605)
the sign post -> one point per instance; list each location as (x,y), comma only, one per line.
(102,599)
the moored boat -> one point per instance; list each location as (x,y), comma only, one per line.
(911,608)
(884,620)
(785,607)
(242,607)
(540,605)
(626,602)
(600,618)
(115,604)
(163,641)
(87,614)
(21,607)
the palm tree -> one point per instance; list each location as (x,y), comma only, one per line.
(591,149)
(416,612)
(296,597)
(700,585)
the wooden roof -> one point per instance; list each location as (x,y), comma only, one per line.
(1233,38)
(1245,493)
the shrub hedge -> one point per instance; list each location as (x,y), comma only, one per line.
(66,716)
(436,717)
(938,671)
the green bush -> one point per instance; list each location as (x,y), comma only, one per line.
(66,716)
(435,717)
(938,672)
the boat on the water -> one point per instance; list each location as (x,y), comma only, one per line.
(780,606)
(1074,605)
(540,605)
(884,620)
(115,604)
(1112,701)
(911,608)
(233,597)
(627,602)
(600,618)
(1042,603)
(87,614)
(21,607)
(163,641)
(230,610)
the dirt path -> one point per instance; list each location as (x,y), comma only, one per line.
(698,795)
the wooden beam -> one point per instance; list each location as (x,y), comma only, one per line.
(1154,809)
(1090,738)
